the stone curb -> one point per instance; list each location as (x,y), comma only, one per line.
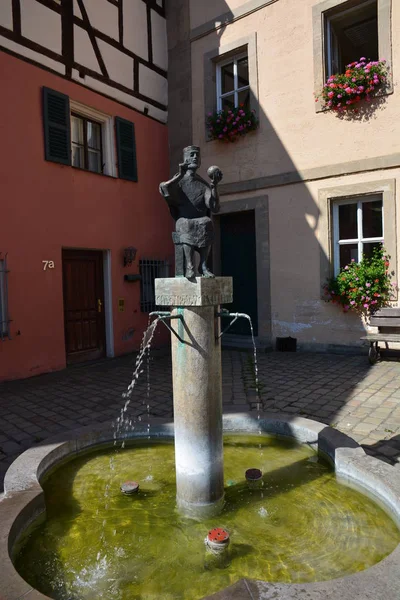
(23,502)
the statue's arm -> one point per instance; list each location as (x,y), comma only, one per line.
(167,187)
(212,195)
(212,198)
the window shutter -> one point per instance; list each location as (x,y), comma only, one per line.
(57,127)
(126,149)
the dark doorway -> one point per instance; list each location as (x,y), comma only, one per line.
(83,305)
(239,260)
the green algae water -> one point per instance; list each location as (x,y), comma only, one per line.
(301,526)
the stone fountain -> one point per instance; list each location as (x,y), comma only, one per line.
(193,298)
(195,339)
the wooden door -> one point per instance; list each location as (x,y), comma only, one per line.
(83,305)
(239,260)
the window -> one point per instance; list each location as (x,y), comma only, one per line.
(357,227)
(86,141)
(233,85)
(80,136)
(351,33)
(149,271)
(346,30)
(4,321)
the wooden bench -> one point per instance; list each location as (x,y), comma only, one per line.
(386,319)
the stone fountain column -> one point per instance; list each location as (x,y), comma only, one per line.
(197,389)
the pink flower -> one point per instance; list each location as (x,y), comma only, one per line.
(346,308)
(354,260)
(368,285)
(220,136)
(331,94)
(348,90)
(366,306)
(353,302)
(361,88)
(339,95)
(225,129)
(346,268)
(363,59)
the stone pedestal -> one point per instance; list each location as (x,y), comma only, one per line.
(197,384)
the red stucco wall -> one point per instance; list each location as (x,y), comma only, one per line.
(45,207)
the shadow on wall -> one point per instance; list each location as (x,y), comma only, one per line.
(296,261)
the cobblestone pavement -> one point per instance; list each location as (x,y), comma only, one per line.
(342,391)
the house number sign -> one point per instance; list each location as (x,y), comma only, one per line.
(48,264)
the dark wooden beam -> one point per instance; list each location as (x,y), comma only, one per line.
(92,36)
(149,35)
(16,14)
(67,24)
(153,4)
(51,5)
(121,21)
(136,75)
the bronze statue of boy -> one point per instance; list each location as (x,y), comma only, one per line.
(191,200)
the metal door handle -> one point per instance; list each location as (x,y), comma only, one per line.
(99,305)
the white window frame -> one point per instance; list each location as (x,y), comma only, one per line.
(360,240)
(107,134)
(332,49)
(236,89)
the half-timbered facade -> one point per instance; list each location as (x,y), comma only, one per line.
(84,230)
(115,47)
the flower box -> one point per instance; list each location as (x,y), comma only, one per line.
(229,125)
(361,81)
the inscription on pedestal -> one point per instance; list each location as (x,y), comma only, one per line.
(203,300)
(179,291)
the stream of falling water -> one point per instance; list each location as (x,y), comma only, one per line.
(125,423)
(257,385)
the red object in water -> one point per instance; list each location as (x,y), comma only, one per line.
(218,536)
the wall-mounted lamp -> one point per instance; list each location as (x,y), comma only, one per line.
(129,256)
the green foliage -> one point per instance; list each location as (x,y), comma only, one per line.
(363,287)
(228,125)
(361,80)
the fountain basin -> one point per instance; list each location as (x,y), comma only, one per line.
(24,501)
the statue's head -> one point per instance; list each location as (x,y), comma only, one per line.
(191,157)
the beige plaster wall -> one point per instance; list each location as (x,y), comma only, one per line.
(297,230)
(292,135)
(202,11)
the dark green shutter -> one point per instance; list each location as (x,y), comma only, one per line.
(57,127)
(126,149)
